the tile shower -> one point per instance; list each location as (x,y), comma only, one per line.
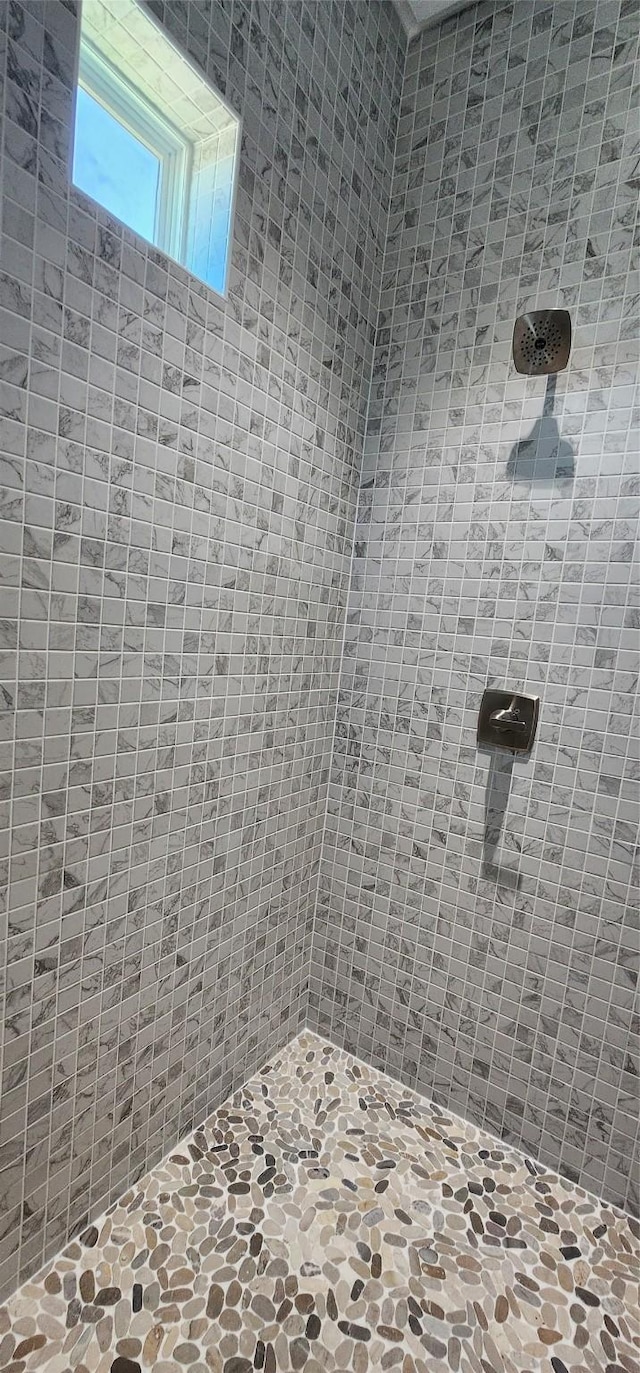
(476,931)
(259,559)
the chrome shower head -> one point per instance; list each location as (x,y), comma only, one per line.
(542,342)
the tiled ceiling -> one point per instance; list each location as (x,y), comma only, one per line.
(419,14)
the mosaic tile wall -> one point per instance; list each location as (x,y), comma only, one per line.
(179,477)
(476,931)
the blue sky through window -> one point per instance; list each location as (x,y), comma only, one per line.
(114,167)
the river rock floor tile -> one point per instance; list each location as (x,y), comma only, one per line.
(325,1218)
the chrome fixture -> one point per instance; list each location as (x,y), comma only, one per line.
(508,720)
(542,342)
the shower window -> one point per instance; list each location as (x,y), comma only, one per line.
(153,142)
(127,157)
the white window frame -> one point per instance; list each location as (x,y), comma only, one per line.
(141,119)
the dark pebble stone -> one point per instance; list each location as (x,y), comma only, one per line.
(376,1265)
(313,1327)
(87,1285)
(498,1218)
(390,1332)
(381,1186)
(357,1332)
(356,1289)
(177,1294)
(599,1231)
(475,1188)
(266,1176)
(569,1251)
(215,1301)
(234,1292)
(589,1298)
(558,1366)
(611,1326)
(90,1315)
(258,1358)
(136,1297)
(73,1312)
(332,1309)
(483,1153)
(531,1283)
(121,1365)
(237,1365)
(434,1347)
(414,1325)
(186,1353)
(28,1346)
(255,1244)
(299,1352)
(364,1251)
(89,1237)
(107,1296)
(607,1344)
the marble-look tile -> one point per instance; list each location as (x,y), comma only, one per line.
(476,926)
(178,477)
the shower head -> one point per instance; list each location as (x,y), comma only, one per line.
(542,342)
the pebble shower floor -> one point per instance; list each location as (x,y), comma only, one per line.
(325,1218)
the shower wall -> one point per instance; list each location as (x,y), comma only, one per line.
(476,922)
(179,476)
